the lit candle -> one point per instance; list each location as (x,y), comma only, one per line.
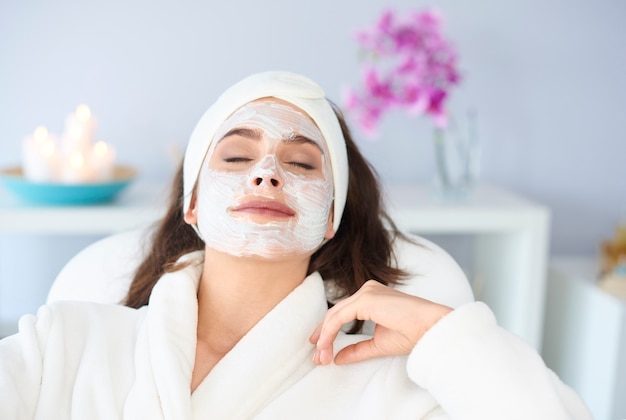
(76,159)
(102,161)
(76,169)
(80,127)
(40,156)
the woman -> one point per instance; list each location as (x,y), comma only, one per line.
(276,203)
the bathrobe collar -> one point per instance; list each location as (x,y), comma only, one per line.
(273,355)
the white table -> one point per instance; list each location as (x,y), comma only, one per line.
(510,237)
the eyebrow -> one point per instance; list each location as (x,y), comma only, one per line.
(256,135)
(243,132)
(298,139)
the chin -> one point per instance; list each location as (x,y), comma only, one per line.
(278,255)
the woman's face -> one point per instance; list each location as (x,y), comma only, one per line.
(266,187)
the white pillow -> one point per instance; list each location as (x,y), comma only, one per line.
(102,272)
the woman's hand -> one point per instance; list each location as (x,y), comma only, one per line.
(401,320)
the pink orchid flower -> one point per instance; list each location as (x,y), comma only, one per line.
(408,65)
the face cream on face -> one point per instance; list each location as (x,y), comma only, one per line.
(268,205)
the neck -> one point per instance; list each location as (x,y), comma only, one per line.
(235,293)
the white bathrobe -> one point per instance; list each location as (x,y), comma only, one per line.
(93,361)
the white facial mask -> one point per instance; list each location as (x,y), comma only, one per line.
(310,197)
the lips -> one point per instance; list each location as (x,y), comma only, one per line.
(265,208)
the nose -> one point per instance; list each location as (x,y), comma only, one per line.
(266,174)
(270,180)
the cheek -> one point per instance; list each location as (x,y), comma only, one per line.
(310,195)
(319,194)
(217,191)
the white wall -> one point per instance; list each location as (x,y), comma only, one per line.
(548,80)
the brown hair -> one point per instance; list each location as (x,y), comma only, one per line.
(361,249)
(172,238)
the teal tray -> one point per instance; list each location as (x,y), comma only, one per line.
(49,193)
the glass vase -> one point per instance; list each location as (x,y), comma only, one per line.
(457,157)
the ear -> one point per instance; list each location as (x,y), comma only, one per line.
(191,215)
(330,231)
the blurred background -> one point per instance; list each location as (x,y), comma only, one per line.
(547,81)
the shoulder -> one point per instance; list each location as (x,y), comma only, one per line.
(77,322)
(434,274)
(387,375)
(85,312)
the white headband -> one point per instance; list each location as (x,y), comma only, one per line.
(293,88)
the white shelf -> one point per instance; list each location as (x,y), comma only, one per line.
(510,237)
(487,209)
(136,206)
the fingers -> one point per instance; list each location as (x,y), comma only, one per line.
(401,320)
(316,334)
(336,317)
(325,334)
(358,352)
(323,355)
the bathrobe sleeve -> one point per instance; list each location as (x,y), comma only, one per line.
(21,367)
(477,370)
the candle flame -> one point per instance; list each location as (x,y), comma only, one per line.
(41,134)
(101,148)
(83,113)
(77,160)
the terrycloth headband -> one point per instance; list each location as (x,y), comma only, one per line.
(293,88)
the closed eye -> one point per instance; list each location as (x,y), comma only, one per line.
(237,159)
(301,165)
